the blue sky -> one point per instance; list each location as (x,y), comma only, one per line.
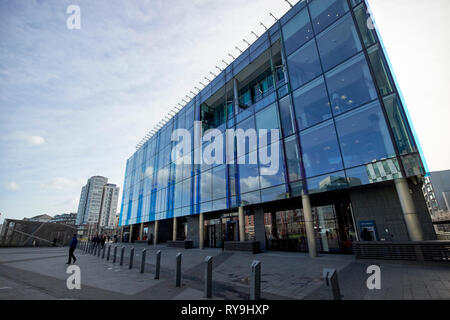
(74,103)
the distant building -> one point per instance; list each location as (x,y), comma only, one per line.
(437,191)
(66,218)
(109,205)
(98,206)
(39,218)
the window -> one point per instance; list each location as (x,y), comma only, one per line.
(219,181)
(272,194)
(364,136)
(339,42)
(248,176)
(304,65)
(297,32)
(320,150)
(398,124)
(245,125)
(275,169)
(287,122)
(205,186)
(363,20)
(293,158)
(350,85)
(187,192)
(329,182)
(311,104)
(325,12)
(267,119)
(379,68)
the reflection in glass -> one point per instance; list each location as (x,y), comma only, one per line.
(293,158)
(334,181)
(304,65)
(398,124)
(364,135)
(311,104)
(325,12)
(297,31)
(339,42)
(320,150)
(380,70)
(350,85)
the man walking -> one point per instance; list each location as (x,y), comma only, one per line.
(73,245)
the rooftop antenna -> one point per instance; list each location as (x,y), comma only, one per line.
(213,74)
(188,97)
(202,84)
(197,89)
(240,49)
(180,106)
(184,101)
(232,56)
(255,34)
(207,79)
(225,62)
(193,93)
(219,69)
(263,25)
(273,16)
(246,42)
(289,3)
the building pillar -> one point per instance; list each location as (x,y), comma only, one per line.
(260,230)
(201,231)
(155,238)
(141,232)
(309,225)
(174,231)
(236,96)
(241,224)
(409,210)
(131,234)
(121,234)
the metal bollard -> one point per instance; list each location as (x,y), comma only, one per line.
(331,280)
(122,251)
(114,254)
(130,265)
(208,277)
(109,253)
(158,264)
(143,260)
(178,270)
(255,281)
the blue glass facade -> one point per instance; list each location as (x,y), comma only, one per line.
(320,75)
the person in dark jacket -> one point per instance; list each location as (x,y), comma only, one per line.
(73,245)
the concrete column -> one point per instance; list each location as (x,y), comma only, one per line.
(131,234)
(409,210)
(309,225)
(174,231)
(201,231)
(241,224)
(155,236)
(141,231)
(260,230)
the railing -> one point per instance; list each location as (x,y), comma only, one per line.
(423,251)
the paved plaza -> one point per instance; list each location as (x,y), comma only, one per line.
(40,273)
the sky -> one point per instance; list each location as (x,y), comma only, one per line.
(74,103)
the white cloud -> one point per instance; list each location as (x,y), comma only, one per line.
(60,183)
(35,140)
(12,186)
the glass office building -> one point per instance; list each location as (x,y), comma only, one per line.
(320,75)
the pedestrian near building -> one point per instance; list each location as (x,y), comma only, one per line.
(73,245)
